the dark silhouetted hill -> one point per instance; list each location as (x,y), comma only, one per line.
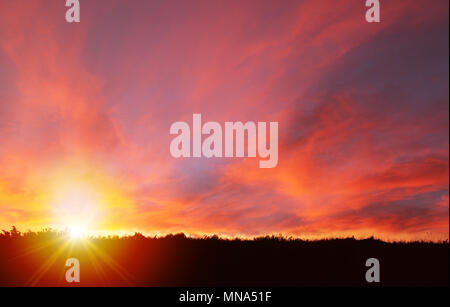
(39,259)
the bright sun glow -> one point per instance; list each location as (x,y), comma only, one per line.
(76,232)
(77,207)
(82,201)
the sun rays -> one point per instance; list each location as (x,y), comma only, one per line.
(72,244)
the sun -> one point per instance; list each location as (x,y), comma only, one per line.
(77,208)
(76,232)
(83,201)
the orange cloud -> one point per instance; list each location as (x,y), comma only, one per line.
(362,111)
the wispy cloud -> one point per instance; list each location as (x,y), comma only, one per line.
(362,112)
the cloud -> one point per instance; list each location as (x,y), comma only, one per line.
(362,111)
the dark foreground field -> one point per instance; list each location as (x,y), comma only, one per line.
(39,259)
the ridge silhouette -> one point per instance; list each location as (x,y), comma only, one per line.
(38,258)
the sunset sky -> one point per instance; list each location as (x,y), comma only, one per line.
(363,113)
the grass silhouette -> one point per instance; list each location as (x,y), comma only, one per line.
(38,259)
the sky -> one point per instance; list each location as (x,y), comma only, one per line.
(363,113)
